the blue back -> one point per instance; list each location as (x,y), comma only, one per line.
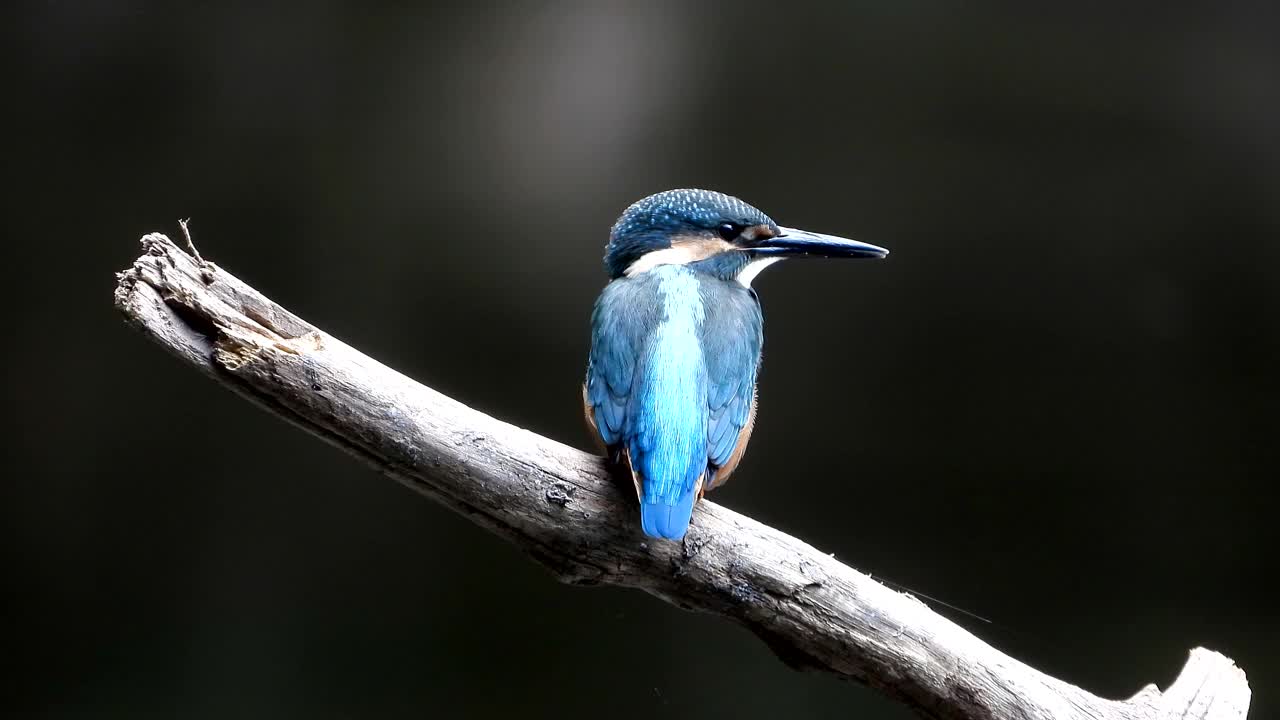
(671,380)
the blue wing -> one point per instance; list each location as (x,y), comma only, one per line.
(733,336)
(621,325)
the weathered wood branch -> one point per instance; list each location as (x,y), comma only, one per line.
(562,507)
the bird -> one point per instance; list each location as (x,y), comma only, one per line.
(676,341)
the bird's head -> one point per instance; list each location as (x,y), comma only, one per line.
(716,233)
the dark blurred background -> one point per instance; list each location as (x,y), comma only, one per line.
(1055,405)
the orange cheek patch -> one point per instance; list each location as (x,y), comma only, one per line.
(758,232)
(697,247)
(684,249)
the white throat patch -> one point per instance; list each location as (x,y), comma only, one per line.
(754,268)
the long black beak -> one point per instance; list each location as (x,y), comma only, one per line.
(802,242)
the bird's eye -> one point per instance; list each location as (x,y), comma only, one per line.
(729,231)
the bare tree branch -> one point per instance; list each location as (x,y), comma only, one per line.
(562,507)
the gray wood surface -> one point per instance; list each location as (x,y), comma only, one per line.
(561,506)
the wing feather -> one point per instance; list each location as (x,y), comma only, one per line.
(733,336)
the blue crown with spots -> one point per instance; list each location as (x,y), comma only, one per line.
(650,223)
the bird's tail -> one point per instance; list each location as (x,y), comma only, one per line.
(668,517)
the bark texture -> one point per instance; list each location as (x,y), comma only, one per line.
(564,509)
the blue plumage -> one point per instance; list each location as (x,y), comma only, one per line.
(676,339)
(671,381)
(667,443)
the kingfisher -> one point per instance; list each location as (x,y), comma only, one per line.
(676,340)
